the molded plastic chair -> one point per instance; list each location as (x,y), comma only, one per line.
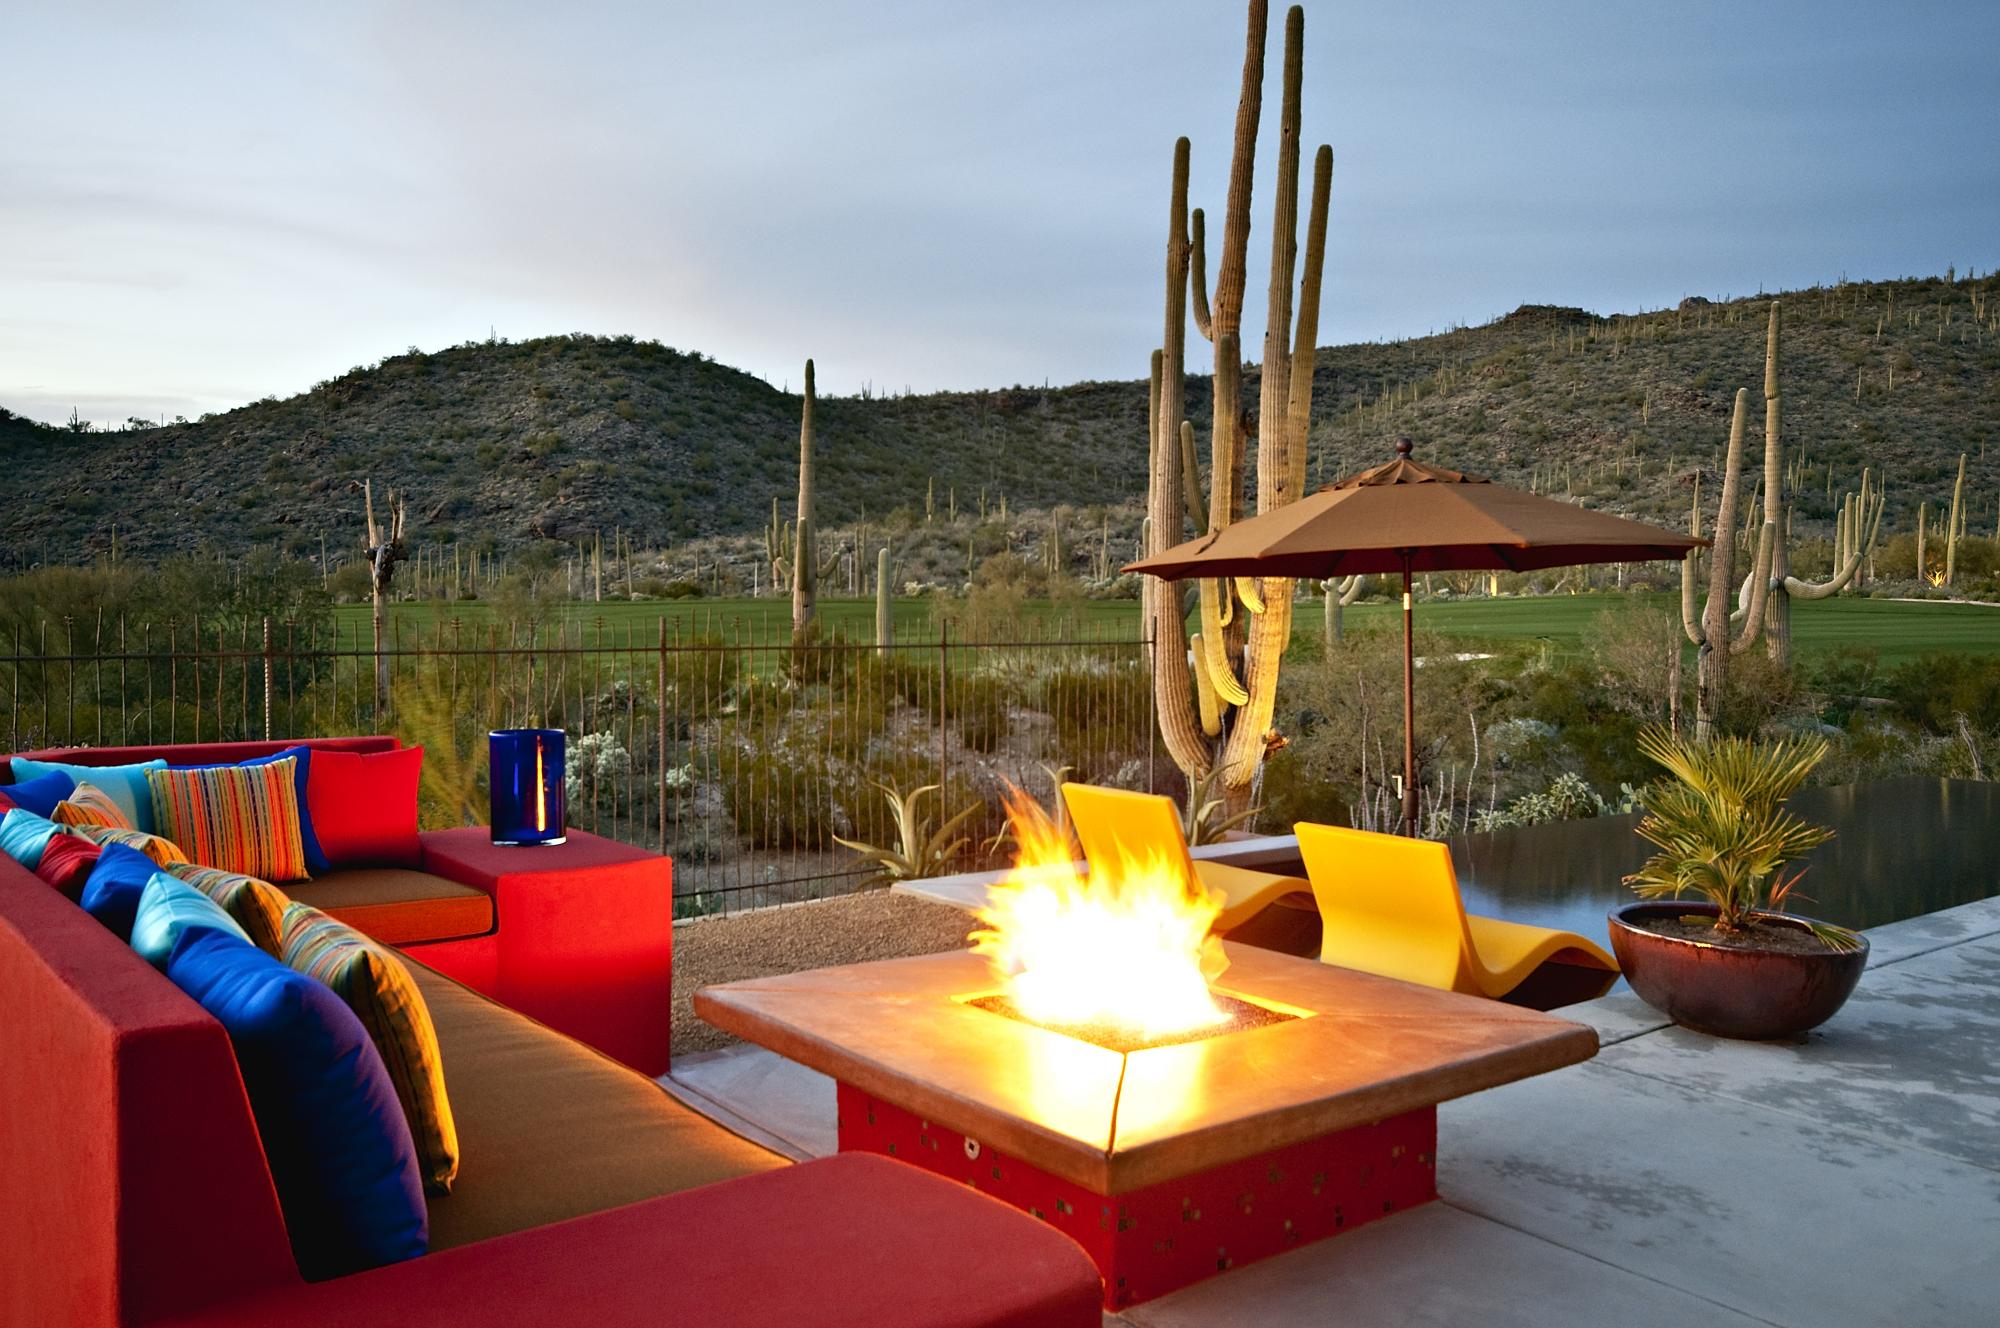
(1390,905)
(1110,822)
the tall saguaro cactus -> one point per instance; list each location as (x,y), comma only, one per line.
(1210,719)
(805,565)
(1711,630)
(1857,522)
(385,547)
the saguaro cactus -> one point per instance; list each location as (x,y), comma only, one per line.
(1857,522)
(385,547)
(1954,524)
(884,629)
(1209,718)
(1710,631)
(805,566)
(1338,594)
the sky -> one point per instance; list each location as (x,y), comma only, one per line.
(205,204)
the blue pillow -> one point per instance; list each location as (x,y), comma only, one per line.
(40,794)
(124,784)
(315,857)
(334,1134)
(23,836)
(169,906)
(112,891)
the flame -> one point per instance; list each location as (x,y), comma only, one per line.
(541,789)
(1129,946)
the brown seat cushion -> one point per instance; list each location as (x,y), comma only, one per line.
(549,1129)
(397,906)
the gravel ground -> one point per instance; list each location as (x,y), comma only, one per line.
(848,930)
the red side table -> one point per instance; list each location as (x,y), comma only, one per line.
(584,934)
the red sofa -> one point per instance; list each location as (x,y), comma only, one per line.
(133,1187)
(581,935)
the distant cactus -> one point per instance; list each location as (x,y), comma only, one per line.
(1954,525)
(884,628)
(805,567)
(1338,595)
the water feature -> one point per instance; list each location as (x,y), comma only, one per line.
(1901,847)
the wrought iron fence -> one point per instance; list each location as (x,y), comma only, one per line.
(748,760)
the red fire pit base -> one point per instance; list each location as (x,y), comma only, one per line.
(1166,1236)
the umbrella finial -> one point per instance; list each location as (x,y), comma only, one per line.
(1404,447)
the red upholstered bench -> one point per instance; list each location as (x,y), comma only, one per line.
(134,1190)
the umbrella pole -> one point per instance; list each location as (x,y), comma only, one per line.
(1409,708)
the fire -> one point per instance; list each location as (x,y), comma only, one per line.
(1128,947)
(541,790)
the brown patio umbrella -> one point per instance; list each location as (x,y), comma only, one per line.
(1409,517)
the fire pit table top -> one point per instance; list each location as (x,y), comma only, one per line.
(1366,1048)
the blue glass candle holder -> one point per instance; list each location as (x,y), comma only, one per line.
(525,767)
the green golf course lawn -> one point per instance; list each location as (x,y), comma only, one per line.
(1898,630)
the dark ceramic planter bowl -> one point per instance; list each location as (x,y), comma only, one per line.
(1727,991)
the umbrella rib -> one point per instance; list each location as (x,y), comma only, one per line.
(1500,552)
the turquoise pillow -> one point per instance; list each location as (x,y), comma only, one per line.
(123,784)
(168,907)
(23,836)
(333,1129)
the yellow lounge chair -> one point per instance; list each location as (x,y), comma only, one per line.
(1390,905)
(1108,821)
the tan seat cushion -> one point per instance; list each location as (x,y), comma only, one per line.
(398,906)
(549,1129)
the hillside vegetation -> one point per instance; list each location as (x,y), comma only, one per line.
(541,445)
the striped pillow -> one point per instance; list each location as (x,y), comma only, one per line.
(163,852)
(241,818)
(88,804)
(256,906)
(383,996)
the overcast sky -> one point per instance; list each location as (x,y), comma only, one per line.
(201,204)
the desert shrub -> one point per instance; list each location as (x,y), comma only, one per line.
(596,771)
(980,707)
(1936,689)
(1101,714)
(780,799)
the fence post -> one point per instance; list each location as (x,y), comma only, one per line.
(944,711)
(267,679)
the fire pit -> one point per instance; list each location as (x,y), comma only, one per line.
(1262,1103)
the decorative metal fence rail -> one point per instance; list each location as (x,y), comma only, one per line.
(746,759)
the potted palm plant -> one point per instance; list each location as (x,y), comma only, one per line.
(1735,963)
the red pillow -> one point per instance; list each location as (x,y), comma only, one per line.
(67,861)
(364,806)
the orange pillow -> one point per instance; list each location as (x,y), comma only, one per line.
(88,804)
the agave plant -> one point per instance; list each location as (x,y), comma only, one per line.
(1722,829)
(921,851)
(1201,819)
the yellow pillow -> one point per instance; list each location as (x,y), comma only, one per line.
(88,804)
(163,852)
(256,906)
(385,998)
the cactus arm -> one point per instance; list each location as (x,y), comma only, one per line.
(1221,676)
(1211,706)
(1350,590)
(1760,590)
(1198,276)
(1248,591)
(1864,511)
(1305,337)
(1191,480)
(1278,481)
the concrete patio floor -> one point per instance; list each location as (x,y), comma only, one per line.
(1849,1178)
